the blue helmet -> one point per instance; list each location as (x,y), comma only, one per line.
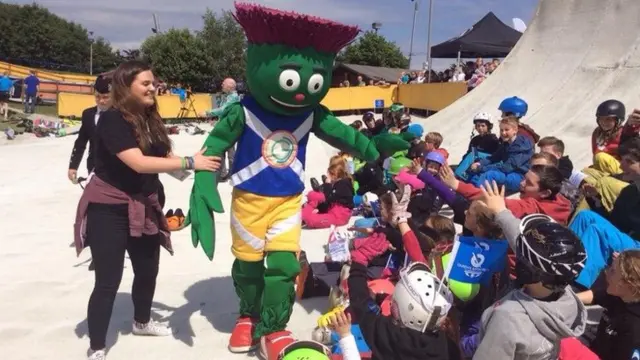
(436,156)
(514,105)
(415,129)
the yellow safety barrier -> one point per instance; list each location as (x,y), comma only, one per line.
(70,104)
(362,97)
(24,71)
(434,96)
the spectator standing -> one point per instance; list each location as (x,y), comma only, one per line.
(229,88)
(5,94)
(31,89)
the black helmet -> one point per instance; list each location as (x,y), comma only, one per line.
(368,116)
(611,108)
(548,252)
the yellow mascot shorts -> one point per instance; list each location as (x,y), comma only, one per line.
(262,224)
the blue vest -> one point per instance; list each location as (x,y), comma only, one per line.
(271,152)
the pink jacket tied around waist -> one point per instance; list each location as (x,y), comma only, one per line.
(145,212)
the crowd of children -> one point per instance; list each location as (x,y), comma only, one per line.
(573,236)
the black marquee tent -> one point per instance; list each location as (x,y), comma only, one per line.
(489,37)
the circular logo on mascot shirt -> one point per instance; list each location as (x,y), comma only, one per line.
(280,149)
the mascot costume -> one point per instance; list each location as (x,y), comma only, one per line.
(290,58)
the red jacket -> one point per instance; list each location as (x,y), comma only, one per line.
(559,208)
(611,147)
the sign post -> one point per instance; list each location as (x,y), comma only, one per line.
(378,104)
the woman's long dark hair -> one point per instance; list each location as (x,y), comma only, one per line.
(146,120)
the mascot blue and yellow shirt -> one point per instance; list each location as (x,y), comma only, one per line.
(271,162)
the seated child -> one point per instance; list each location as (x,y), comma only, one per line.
(539,193)
(509,163)
(606,139)
(425,201)
(529,322)
(625,213)
(482,145)
(433,142)
(568,190)
(334,204)
(418,327)
(516,108)
(619,330)
(372,127)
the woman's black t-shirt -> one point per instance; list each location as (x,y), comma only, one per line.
(114,135)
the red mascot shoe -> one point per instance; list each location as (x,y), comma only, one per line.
(241,340)
(271,345)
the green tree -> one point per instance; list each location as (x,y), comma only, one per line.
(33,36)
(374,50)
(178,56)
(225,45)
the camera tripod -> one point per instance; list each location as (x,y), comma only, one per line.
(186,107)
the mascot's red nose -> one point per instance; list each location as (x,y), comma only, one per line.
(299,97)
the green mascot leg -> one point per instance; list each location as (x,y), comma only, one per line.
(279,294)
(248,279)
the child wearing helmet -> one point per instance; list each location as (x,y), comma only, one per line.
(509,163)
(419,307)
(426,201)
(606,139)
(481,145)
(517,108)
(618,334)
(529,322)
(372,127)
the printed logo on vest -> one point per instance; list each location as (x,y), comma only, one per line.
(280,149)
(636,355)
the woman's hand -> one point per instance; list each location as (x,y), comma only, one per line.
(448,177)
(634,118)
(206,163)
(493,197)
(341,323)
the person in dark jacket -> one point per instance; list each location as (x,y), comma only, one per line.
(90,119)
(509,163)
(618,334)
(373,127)
(334,203)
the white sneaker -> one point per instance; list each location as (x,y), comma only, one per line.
(98,355)
(151,328)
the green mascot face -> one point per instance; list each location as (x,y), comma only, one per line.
(288,81)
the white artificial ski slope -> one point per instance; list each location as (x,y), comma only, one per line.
(574,55)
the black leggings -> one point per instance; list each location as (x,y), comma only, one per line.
(108,238)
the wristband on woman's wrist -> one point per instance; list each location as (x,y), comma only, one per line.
(183,163)
(191,163)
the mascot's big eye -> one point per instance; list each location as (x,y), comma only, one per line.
(289,80)
(315,83)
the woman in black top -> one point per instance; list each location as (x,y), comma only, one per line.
(120,208)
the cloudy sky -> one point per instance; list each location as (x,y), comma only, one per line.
(126,23)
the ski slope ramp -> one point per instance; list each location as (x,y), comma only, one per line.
(574,55)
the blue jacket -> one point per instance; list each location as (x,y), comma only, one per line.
(5,84)
(510,157)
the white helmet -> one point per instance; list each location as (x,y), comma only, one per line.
(484,116)
(420,300)
(369,198)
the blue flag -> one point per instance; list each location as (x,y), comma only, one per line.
(474,260)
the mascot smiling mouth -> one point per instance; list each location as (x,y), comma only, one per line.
(287,104)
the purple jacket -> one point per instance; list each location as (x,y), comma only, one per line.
(448,195)
(145,213)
